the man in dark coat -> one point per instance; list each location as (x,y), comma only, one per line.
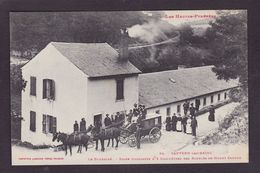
(107,120)
(192,110)
(197,104)
(174,122)
(194,125)
(76,127)
(136,110)
(186,105)
(82,125)
(138,136)
(211,113)
(117,117)
(168,123)
(184,123)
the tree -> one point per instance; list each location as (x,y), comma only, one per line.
(227,39)
(16,81)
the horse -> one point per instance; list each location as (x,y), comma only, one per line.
(103,134)
(68,140)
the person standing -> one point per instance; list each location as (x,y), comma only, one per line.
(179,124)
(174,122)
(107,121)
(197,104)
(211,113)
(138,136)
(185,107)
(168,123)
(192,110)
(76,127)
(117,117)
(184,123)
(135,110)
(82,125)
(130,115)
(194,125)
(188,126)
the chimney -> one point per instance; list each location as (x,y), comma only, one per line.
(123,45)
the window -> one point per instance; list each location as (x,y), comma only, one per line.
(48,89)
(212,99)
(168,111)
(178,108)
(33,86)
(225,96)
(218,97)
(32,121)
(119,89)
(204,101)
(49,124)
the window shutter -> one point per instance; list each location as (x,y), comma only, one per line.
(32,121)
(119,89)
(53,89)
(54,125)
(44,123)
(44,88)
(33,86)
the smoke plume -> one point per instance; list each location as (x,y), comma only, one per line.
(152,31)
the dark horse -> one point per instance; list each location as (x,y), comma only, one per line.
(68,140)
(103,134)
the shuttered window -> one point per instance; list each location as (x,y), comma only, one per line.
(225,96)
(33,86)
(48,89)
(168,111)
(119,89)
(204,101)
(49,124)
(218,97)
(212,99)
(33,121)
(178,108)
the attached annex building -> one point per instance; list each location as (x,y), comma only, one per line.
(70,81)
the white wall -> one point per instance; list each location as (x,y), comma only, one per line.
(102,96)
(173,106)
(70,94)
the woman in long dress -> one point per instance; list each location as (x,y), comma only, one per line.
(188,129)
(179,124)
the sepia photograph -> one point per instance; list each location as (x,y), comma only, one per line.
(129,87)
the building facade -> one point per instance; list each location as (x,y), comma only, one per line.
(58,91)
(70,81)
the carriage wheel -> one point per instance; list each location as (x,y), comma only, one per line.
(123,138)
(155,135)
(132,140)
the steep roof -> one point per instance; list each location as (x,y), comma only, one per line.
(175,85)
(95,59)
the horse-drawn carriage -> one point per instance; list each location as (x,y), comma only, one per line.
(149,127)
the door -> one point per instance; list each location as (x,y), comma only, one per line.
(98,119)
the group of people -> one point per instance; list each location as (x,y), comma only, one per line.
(187,124)
(81,127)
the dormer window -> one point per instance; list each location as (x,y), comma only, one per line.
(48,89)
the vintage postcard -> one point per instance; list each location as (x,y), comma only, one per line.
(129,87)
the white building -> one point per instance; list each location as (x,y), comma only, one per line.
(70,81)
(165,92)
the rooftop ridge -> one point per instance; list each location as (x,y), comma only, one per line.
(183,69)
